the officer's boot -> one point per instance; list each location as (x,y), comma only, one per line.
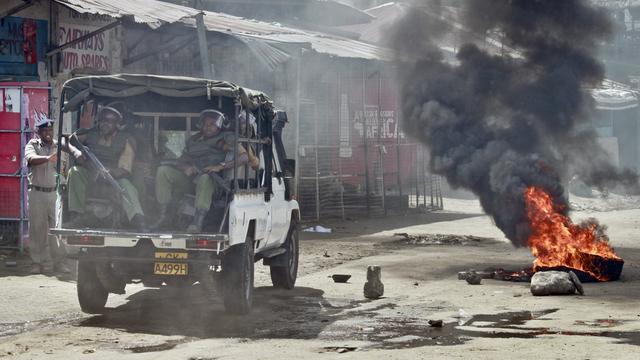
(163,218)
(196,225)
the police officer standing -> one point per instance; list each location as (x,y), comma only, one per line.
(41,156)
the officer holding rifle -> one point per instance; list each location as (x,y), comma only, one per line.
(115,153)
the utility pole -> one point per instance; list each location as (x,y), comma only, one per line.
(207,72)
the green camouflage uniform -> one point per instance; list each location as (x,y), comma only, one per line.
(111,156)
(200,152)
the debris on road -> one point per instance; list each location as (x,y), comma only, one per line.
(463,275)
(318,229)
(439,239)
(552,283)
(435,323)
(339,349)
(340,278)
(374,288)
(513,276)
(474,279)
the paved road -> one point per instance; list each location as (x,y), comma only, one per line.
(39,316)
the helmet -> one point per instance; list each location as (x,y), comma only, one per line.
(110,109)
(217,115)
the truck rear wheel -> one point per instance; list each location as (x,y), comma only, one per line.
(92,295)
(284,277)
(237,278)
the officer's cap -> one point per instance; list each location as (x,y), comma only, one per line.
(42,121)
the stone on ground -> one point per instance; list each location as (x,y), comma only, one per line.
(374,288)
(552,283)
(576,282)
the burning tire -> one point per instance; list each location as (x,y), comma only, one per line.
(237,278)
(284,277)
(92,295)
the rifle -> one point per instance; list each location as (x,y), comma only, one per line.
(99,169)
(218,180)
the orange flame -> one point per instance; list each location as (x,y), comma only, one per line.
(556,241)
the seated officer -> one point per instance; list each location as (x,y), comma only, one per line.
(116,151)
(204,154)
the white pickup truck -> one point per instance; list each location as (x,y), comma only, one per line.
(254,218)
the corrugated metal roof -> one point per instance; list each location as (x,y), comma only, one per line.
(319,42)
(151,12)
(155,13)
(335,46)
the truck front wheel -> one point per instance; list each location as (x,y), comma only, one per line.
(92,295)
(284,277)
(237,278)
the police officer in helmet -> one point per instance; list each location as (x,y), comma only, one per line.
(204,154)
(116,151)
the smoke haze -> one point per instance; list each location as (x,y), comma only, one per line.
(498,124)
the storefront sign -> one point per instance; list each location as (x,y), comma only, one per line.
(93,53)
(22,45)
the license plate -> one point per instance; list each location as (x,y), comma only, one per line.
(160,268)
(167,268)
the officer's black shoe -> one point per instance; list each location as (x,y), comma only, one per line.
(163,218)
(196,225)
(139,223)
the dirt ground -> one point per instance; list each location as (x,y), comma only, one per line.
(40,318)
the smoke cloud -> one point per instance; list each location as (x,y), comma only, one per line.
(498,124)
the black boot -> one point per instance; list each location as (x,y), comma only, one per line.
(163,218)
(139,224)
(196,225)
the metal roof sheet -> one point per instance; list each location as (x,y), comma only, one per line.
(319,42)
(156,13)
(151,12)
(335,46)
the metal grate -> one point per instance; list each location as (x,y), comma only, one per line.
(353,159)
(9,234)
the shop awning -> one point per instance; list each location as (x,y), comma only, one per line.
(151,12)
(156,13)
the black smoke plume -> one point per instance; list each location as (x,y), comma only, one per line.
(497,124)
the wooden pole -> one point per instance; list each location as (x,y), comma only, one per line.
(207,71)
